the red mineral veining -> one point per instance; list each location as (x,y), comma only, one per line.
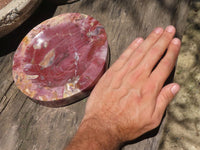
(60,60)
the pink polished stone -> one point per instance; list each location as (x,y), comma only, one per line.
(60,60)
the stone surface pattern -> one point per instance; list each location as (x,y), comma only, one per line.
(61,59)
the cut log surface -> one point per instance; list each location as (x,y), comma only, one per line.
(27,125)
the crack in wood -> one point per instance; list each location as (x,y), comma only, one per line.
(3,102)
(21,107)
(3,95)
(2,109)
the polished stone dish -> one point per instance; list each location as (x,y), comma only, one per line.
(60,60)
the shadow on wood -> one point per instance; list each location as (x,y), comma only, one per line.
(11,41)
(61,2)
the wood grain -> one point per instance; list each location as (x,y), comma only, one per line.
(26,125)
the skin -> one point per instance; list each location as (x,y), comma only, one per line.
(130,99)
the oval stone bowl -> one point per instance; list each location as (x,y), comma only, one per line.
(14,12)
(59,61)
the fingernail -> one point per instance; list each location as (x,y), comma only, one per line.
(170,29)
(139,40)
(176,41)
(175,89)
(158,30)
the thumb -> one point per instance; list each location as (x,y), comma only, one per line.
(164,98)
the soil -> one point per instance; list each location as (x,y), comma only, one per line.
(3,3)
(182,130)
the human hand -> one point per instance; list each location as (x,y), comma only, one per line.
(130,99)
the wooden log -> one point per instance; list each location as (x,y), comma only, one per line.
(27,125)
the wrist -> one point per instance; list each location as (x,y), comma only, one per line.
(97,135)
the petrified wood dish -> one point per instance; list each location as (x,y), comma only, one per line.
(14,12)
(60,60)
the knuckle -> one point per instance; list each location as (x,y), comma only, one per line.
(139,50)
(167,95)
(166,62)
(118,65)
(155,123)
(107,77)
(136,75)
(146,67)
(149,89)
(155,50)
(117,82)
(123,56)
(154,35)
(109,73)
(152,123)
(167,36)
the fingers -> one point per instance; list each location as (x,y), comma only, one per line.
(141,51)
(118,65)
(158,49)
(129,63)
(134,45)
(126,54)
(164,98)
(166,65)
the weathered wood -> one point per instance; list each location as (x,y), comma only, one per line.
(26,125)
